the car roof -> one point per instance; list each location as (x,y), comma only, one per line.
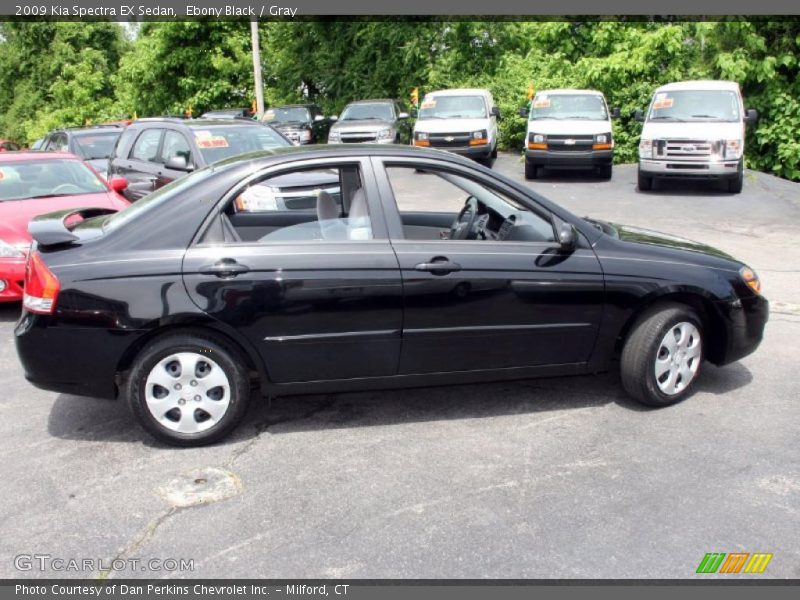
(301,105)
(700,85)
(460,92)
(567,92)
(195,122)
(111,127)
(27,155)
(373,101)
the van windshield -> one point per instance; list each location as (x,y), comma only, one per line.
(569,106)
(452,107)
(695,106)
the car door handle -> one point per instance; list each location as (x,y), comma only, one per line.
(227,267)
(439,265)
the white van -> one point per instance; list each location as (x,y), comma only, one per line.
(460,121)
(569,129)
(694,130)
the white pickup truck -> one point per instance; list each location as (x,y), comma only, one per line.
(694,130)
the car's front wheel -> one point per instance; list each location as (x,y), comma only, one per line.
(644,182)
(188,390)
(531,170)
(662,355)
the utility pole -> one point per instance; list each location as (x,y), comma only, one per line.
(257,69)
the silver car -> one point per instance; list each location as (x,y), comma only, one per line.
(371,121)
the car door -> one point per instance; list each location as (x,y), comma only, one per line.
(484,303)
(141,167)
(317,299)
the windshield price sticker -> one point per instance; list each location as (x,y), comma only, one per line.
(543,102)
(269,115)
(214,141)
(429,103)
(663,103)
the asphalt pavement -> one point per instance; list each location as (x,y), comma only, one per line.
(548,478)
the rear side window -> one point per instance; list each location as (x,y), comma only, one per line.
(146,146)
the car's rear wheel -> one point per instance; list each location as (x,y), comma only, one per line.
(531,170)
(662,355)
(188,390)
(645,183)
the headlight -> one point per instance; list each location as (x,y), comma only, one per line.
(537,138)
(479,135)
(9,251)
(422,135)
(333,136)
(645,148)
(602,141)
(751,279)
(733,149)
(385,134)
(258,198)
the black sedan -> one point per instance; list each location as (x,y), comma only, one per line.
(417,268)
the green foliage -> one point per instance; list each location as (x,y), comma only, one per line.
(55,74)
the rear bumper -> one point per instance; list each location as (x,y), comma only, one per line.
(745,320)
(573,159)
(12,275)
(71,360)
(690,169)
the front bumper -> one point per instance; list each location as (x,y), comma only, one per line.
(572,159)
(690,169)
(12,276)
(745,320)
(482,151)
(362,141)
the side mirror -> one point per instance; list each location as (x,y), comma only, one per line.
(117,183)
(319,118)
(179,163)
(751,116)
(567,236)
(333,118)
(524,112)
(638,115)
(495,112)
(403,115)
(414,112)
(615,112)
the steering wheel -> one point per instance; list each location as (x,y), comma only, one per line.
(463,227)
(66,188)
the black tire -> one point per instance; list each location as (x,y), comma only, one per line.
(487,162)
(736,184)
(231,363)
(637,368)
(531,170)
(604,171)
(645,183)
(494,152)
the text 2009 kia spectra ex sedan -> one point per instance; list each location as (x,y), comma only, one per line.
(393,267)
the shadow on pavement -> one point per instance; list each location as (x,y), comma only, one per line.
(9,312)
(91,419)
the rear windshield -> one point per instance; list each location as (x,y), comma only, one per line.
(569,106)
(223,141)
(97,145)
(695,106)
(46,178)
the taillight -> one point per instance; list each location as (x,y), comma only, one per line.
(41,286)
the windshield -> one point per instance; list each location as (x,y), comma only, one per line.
(293,114)
(45,178)
(569,106)
(453,107)
(378,111)
(97,145)
(219,142)
(694,106)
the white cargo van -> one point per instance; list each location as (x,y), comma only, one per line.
(461,121)
(569,129)
(694,130)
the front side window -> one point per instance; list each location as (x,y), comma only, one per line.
(303,205)
(568,106)
(432,203)
(218,142)
(45,178)
(146,146)
(175,145)
(453,107)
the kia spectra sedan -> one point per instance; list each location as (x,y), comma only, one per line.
(416,267)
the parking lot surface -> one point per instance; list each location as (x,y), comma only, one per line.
(561,477)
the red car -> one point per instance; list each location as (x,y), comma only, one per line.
(33,183)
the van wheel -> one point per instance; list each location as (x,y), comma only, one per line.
(736,184)
(662,355)
(531,170)
(645,183)
(494,152)
(604,171)
(188,390)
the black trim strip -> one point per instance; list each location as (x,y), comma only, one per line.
(310,337)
